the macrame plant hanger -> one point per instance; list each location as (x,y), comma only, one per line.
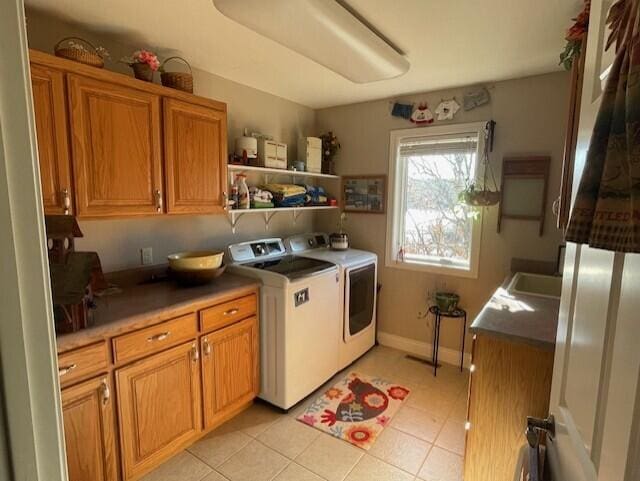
(486,193)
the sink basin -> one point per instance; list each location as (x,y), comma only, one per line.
(536,285)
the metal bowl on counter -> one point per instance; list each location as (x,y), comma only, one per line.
(195,267)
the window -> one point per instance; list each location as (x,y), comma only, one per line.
(428,228)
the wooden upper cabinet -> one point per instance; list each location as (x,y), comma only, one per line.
(117,151)
(159,407)
(49,104)
(195,155)
(229,368)
(89,431)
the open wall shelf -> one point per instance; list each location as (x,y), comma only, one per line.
(280,172)
(267,175)
(234,215)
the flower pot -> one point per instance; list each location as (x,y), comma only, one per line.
(142,71)
(339,241)
(328,167)
(447,301)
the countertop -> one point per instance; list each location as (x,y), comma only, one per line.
(520,318)
(142,305)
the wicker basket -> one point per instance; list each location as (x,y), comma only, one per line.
(86,57)
(142,71)
(177,80)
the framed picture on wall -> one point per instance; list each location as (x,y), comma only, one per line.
(364,193)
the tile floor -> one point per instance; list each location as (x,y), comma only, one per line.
(424,442)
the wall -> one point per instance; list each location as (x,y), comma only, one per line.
(118,242)
(531,116)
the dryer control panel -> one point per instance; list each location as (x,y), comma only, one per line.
(254,250)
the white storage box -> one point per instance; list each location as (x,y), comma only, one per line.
(310,152)
(271,154)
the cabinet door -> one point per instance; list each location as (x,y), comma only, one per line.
(158,407)
(50,112)
(195,140)
(229,368)
(510,381)
(89,431)
(116,149)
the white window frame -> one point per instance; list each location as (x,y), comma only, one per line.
(396,200)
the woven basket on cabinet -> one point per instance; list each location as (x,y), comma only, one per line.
(83,56)
(177,80)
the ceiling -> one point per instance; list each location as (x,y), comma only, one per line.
(448,43)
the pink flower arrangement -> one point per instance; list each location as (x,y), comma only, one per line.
(143,56)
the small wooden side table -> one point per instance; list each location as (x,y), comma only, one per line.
(456,313)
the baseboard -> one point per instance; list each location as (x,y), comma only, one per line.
(422,349)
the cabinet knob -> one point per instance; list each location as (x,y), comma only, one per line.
(206,347)
(63,371)
(66,201)
(159,337)
(195,355)
(231,312)
(158,201)
(555,208)
(105,391)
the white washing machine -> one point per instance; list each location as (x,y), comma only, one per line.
(358,291)
(299,342)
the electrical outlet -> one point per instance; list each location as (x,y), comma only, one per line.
(146,256)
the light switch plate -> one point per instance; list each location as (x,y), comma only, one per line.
(146,256)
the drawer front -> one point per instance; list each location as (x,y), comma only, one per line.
(155,338)
(270,149)
(281,152)
(83,362)
(227,313)
(275,163)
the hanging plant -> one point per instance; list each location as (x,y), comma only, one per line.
(478,197)
(486,193)
(575,37)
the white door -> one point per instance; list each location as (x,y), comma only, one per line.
(595,397)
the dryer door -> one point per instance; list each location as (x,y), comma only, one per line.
(359,299)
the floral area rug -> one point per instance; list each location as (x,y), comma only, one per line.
(356,409)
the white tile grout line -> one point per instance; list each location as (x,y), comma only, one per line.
(285,467)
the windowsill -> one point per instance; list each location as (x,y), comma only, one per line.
(433,269)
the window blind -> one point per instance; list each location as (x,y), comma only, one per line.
(443,145)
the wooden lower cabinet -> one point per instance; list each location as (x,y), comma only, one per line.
(164,380)
(229,369)
(510,381)
(90,431)
(159,407)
